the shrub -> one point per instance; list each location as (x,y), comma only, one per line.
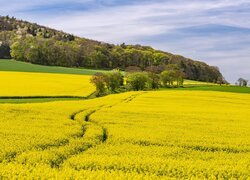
(167,78)
(99,82)
(114,80)
(154,82)
(138,80)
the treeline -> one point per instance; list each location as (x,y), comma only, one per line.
(242,82)
(32,43)
(151,78)
(22,28)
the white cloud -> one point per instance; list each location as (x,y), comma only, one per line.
(116,23)
(138,22)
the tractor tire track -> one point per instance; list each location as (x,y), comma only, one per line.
(85,120)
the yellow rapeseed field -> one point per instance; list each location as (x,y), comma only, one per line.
(44,84)
(191,82)
(134,135)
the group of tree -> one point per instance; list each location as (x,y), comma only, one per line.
(242,82)
(107,82)
(152,78)
(37,44)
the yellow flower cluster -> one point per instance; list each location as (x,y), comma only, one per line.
(134,135)
(44,84)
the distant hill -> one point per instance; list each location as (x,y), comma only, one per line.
(30,42)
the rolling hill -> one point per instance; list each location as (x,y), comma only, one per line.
(30,83)
(30,42)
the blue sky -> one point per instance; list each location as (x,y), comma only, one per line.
(214,31)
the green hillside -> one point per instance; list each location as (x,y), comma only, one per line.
(12,65)
(36,44)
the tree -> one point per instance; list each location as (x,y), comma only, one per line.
(153,73)
(179,76)
(220,80)
(116,57)
(154,82)
(176,74)
(167,78)
(114,80)
(4,50)
(99,82)
(242,82)
(160,58)
(137,80)
(17,51)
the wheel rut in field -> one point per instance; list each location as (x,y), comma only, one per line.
(88,113)
(104,130)
(84,117)
(84,139)
(70,144)
(92,134)
(132,97)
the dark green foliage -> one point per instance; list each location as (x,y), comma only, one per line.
(167,78)
(242,82)
(37,44)
(154,82)
(107,82)
(221,80)
(143,80)
(154,75)
(172,73)
(114,80)
(138,80)
(46,52)
(4,51)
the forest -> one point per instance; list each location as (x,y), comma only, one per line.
(30,42)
